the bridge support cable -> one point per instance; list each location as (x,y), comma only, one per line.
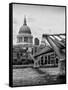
(36,64)
(56,42)
(57,50)
(59,42)
(46,49)
(32,57)
(61,38)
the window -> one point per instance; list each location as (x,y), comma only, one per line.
(25,39)
(20,39)
(42,60)
(35,49)
(30,40)
(18,55)
(32,51)
(45,59)
(48,59)
(57,61)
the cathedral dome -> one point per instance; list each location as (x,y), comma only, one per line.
(24,28)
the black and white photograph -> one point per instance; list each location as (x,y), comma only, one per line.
(38,48)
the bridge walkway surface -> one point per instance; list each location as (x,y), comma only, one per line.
(34,76)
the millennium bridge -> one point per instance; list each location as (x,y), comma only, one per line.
(58,45)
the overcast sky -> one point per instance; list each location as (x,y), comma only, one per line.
(40,19)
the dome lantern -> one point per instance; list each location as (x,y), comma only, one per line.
(25,21)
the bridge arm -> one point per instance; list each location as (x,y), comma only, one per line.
(57,50)
(59,42)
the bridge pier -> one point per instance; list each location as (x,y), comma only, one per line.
(36,64)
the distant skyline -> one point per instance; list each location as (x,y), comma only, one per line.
(40,19)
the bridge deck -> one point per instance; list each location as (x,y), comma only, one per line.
(30,76)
